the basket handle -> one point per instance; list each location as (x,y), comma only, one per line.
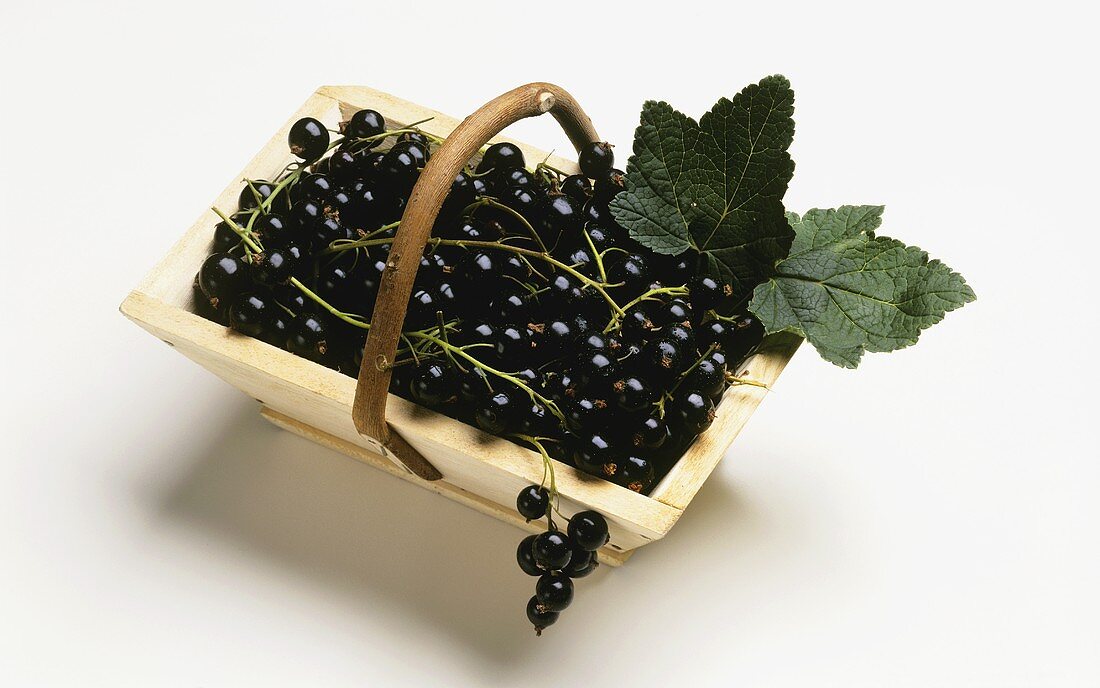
(371,391)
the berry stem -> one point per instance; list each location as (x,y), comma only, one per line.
(348,318)
(448,347)
(493,203)
(596,256)
(291,178)
(734,380)
(683,376)
(547,470)
(241,232)
(648,296)
(527,252)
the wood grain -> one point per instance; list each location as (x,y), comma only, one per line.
(607,555)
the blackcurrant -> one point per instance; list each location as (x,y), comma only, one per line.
(307,337)
(501,156)
(640,321)
(327,231)
(422,309)
(308,139)
(596,368)
(707,293)
(635,473)
(398,170)
(306,214)
(537,420)
(225,238)
(512,345)
(539,616)
(472,386)
(586,413)
(274,230)
(315,187)
(364,124)
(276,266)
(533,502)
(415,136)
(554,591)
(651,433)
(631,272)
(256,192)
(525,556)
(251,314)
(707,377)
(552,550)
(577,187)
(344,165)
(223,277)
(419,151)
(683,335)
(592,452)
(497,412)
(433,384)
(633,394)
(516,176)
(582,563)
(562,214)
(596,159)
(608,185)
(588,529)
(661,359)
(676,311)
(692,411)
(746,333)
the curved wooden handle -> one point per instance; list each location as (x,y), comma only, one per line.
(369,411)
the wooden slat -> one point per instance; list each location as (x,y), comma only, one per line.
(607,555)
(491,467)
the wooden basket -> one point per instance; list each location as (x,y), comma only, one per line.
(436,452)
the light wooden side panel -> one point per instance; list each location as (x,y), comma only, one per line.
(607,555)
(468,458)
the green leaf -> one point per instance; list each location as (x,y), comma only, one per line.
(848,291)
(715,186)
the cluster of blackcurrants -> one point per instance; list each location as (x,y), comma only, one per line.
(534,315)
(539,316)
(555,557)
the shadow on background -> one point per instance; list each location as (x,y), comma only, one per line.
(387,547)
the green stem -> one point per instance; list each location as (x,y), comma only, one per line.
(290,179)
(531,253)
(350,319)
(547,470)
(493,203)
(240,231)
(584,279)
(446,346)
(648,296)
(596,256)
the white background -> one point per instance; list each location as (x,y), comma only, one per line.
(928,520)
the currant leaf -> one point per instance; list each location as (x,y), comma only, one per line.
(848,291)
(715,186)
